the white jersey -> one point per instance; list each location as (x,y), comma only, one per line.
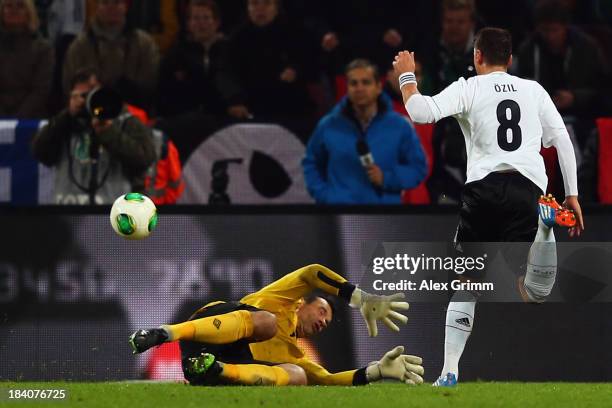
(504,119)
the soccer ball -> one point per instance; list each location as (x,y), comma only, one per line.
(133,216)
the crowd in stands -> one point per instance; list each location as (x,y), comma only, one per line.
(194,66)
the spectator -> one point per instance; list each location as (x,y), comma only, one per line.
(42,9)
(126,58)
(588,171)
(332,167)
(163,180)
(584,12)
(233,12)
(195,74)
(27,59)
(65,20)
(372,29)
(160,18)
(269,57)
(567,63)
(515,16)
(454,55)
(95,160)
(448,173)
(452,60)
(604,11)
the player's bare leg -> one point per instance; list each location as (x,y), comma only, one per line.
(220,329)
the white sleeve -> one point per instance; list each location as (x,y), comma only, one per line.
(554,133)
(567,162)
(551,120)
(429,109)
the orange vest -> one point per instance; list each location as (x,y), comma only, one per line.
(163,181)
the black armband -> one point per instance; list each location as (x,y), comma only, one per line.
(345,290)
(359,378)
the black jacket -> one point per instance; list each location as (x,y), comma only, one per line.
(581,70)
(188,83)
(260,54)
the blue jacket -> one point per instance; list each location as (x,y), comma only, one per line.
(333,172)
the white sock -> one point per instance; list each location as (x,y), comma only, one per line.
(459,323)
(541,264)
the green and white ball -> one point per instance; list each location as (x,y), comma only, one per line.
(133,216)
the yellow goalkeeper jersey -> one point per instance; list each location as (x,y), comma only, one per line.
(282,298)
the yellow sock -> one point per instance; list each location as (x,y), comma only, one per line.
(220,329)
(255,374)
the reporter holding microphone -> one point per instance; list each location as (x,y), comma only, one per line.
(363,152)
(367,161)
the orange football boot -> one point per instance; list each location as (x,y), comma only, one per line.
(551,212)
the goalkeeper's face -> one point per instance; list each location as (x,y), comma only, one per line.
(313,317)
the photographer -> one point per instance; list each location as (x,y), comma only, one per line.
(96,157)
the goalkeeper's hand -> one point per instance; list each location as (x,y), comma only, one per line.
(374,308)
(398,366)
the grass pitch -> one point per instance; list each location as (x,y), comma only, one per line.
(479,394)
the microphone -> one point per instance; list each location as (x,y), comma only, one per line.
(365,156)
(366,159)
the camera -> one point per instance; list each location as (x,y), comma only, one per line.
(103,103)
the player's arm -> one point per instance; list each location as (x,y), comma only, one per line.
(554,133)
(393,365)
(299,283)
(404,67)
(427,109)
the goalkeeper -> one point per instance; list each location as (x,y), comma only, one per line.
(254,341)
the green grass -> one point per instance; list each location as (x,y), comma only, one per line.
(479,394)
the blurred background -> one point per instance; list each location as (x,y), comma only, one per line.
(250,81)
(209,106)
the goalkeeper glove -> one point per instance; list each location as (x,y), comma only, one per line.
(374,308)
(398,366)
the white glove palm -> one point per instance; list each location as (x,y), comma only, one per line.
(398,366)
(374,308)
